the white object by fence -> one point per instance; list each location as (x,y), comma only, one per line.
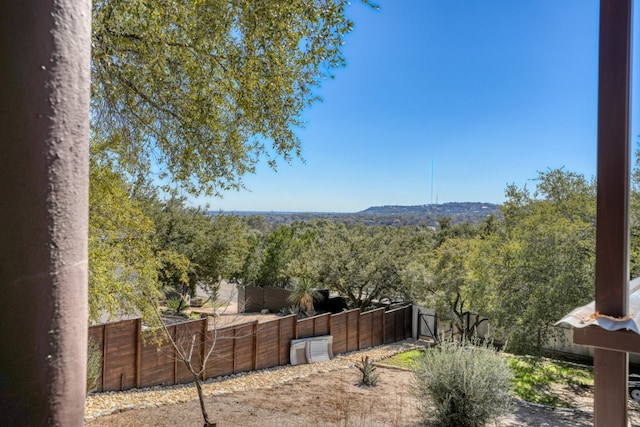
(310,350)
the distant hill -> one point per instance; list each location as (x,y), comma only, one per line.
(473,212)
(446,209)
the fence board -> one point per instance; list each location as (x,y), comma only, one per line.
(339,332)
(243,355)
(353,322)
(120,355)
(287,327)
(275,299)
(268,344)
(253,299)
(305,328)
(407,323)
(377,327)
(321,324)
(183,335)
(364,330)
(398,324)
(241,298)
(157,363)
(221,361)
(399,330)
(389,327)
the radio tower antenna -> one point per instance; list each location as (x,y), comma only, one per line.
(431,181)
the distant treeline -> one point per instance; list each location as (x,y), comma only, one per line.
(427,215)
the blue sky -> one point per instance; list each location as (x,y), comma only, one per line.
(488,92)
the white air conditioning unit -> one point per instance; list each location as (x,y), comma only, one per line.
(310,350)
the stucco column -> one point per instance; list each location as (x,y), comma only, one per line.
(44,128)
(612,231)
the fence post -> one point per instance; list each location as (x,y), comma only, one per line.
(435,327)
(104,355)
(346,322)
(233,352)
(358,327)
(330,323)
(203,352)
(175,356)
(372,329)
(241,290)
(254,332)
(406,316)
(279,342)
(138,350)
(384,327)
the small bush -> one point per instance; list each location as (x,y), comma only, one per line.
(468,385)
(367,367)
(177,306)
(94,365)
(293,309)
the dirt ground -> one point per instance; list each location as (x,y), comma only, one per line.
(335,399)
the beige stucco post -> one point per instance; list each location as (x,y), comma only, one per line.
(44,128)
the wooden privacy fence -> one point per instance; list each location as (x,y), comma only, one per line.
(129,361)
(252,299)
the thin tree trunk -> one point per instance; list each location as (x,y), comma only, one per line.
(205,415)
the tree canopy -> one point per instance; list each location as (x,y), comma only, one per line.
(541,265)
(198,91)
(190,95)
(122,264)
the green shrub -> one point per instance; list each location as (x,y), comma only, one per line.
(467,385)
(293,309)
(177,306)
(94,365)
